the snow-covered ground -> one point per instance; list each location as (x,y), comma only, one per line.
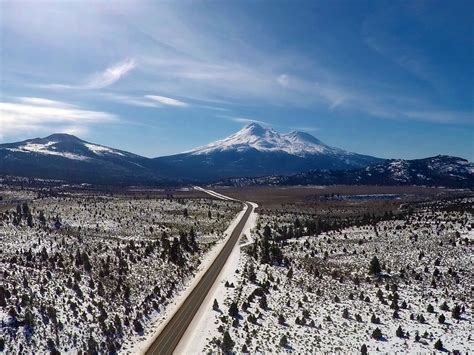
(154,329)
(91,272)
(321,298)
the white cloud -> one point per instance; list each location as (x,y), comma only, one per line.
(102,79)
(132,100)
(32,115)
(244,120)
(167,101)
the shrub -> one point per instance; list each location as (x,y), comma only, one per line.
(227,342)
(399,332)
(456,312)
(374,267)
(438,345)
(377,334)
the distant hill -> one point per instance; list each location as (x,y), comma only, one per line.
(66,157)
(441,170)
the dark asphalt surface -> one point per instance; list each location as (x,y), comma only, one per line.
(176,327)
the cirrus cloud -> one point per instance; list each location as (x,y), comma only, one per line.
(167,101)
(34,114)
(102,79)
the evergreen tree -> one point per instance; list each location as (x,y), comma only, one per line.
(175,252)
(215,305)
(374,267)
(377,334)
(456,312)
(284,341)
(345,313)
(263,302)
(137,326)
(438,345)
(400,332)
(192,240)
(233,310)
(227,343)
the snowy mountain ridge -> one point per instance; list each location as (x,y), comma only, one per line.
(254,136)
(440,170)
(63,145)
(66,157)
(252,152)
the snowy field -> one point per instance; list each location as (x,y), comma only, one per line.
(307,285)
(92,272)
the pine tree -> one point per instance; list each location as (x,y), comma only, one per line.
(41,218)
(456,312)
(137,326)
(363,349)
(377,334)
(444,306)
(263,302)
(438,345)
(345,313)
(233,310)
(400,332)
(192,240)
(215,305)
(227,342)
(374,267)
(284,341)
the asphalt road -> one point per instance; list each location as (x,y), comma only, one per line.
(171,334)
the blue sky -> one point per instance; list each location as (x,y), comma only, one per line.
(392,79)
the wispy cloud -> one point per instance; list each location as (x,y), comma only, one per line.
(152,101)
(33,114)
(244,120)
(102,79)
(181,53)
(140,101)
(167,101)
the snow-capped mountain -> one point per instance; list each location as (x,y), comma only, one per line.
(66,157)
(268,140)
(255,150)
(440,170)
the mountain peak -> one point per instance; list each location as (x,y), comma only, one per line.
(302,137)
(253,129)
(63,137)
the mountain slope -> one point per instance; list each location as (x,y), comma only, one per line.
(255,151)
(66,157)
(441,170)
